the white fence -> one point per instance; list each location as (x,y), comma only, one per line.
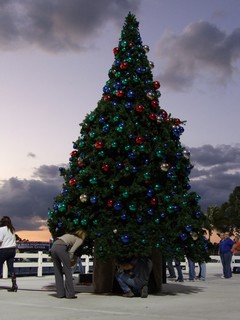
(40,260)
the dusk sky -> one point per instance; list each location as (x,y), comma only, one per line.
(55,57)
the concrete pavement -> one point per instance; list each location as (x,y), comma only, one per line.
(215,298)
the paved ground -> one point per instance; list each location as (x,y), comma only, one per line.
(215,298)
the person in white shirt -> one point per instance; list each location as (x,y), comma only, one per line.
(8,249)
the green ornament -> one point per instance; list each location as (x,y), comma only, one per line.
(112,186)
(157,187)
(142,148)
(127,147)
(119,129)
(93,180)
(62,207)
(116,119)
(124,43)
(84,222)
(114,144)
(81,144)
(124,81)
(132,207)
(75,221)
(118,74)
(101,154)
(95,222)
(50,213)
(125,194)
(92,134)
(91,117)
(147,175)
(157,220)
(170,209)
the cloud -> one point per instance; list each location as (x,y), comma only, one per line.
(27,201)
(202,49)
(58,25)
(31,155)
(215,175)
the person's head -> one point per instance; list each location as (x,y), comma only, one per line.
(6,222)
(226,234)
(221,235)
(237,238)
(81,234)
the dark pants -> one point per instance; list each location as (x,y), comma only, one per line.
(7,254)
(226,262)
(62,265)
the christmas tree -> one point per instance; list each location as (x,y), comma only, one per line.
(127,181)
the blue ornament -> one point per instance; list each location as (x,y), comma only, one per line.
(150,212)
(188,228)
(125,238)
(183,236)
(123,216)
(117,206)
(93,199)
(130,94)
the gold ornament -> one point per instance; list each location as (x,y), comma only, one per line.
(164,166)
(83,198)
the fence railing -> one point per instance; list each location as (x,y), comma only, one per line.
(40,260)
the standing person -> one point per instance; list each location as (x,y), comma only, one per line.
(8,249)
(133,277)
(62,253)
(236,247)
(191,266)
(179,270)
(225,247)
(172,274)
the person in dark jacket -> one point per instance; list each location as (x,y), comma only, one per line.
(133,277)
(225,247)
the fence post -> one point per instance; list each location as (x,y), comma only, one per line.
(40,263)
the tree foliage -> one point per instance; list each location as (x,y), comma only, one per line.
(127,181)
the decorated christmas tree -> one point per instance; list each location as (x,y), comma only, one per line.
(127,181)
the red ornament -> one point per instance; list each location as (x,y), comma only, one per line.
(139,108)
(124,65)
(73,153)
(154,104)
(99,145)
(81,164)
(139,140)
(177,121)
(109,203)
(115,50)
(156,85)
(120,93)
(152,116)
(105,167)
(167,120)
(72,182)
(107,97)
(131,44)
(153,201)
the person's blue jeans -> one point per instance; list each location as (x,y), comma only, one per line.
(202,271)
(179,269)
(226,262)
(127,283)
(191,266)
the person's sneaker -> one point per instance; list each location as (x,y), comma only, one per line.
(128,294)
(179,280)
(144,292)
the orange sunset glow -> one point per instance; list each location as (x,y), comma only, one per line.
(35,235)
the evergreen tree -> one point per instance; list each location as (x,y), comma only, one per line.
(127,182)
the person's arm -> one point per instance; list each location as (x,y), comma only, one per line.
(77,244)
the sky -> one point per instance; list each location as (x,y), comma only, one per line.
(54,62)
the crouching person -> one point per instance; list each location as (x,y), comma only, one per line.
(133,276)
